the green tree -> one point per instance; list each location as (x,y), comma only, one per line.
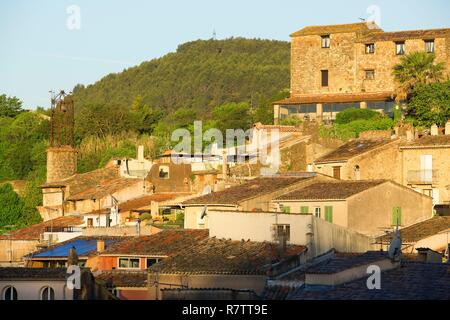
(145,117)
(430,104)
(10,106)
(11,207)
(232,116)
(414,69)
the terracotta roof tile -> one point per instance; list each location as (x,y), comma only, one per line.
(352,149)
(428,141)
(335,98)
(220,256)
(33,273)
(33,232)
(251,189)
(331,190)
(165,243)
(361,27)
(127,279)
(405,35)
(421,230)
(146,201)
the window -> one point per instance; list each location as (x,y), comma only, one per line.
(90,222)
(129,263)
(10,293)
(151,261)
(317,212)
(337,172)
(357,170)
(329,214)
(282,231)
(324,78)
(396,216)
(304,210)
(429,46)
(400,48)
(370,48)
(286,209)
(164,172)
(326,41)
(370,74)
(47,293)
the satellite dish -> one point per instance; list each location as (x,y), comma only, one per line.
(207,190)
(395,248)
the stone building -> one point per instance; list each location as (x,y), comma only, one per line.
(362,159)
(426,165)
(368,206)
(336,67)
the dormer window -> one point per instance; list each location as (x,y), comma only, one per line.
(400,48)
(429,46)
(370,48)
(326,41)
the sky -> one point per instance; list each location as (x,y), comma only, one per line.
(55,44)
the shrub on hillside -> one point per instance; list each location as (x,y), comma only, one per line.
(353,114)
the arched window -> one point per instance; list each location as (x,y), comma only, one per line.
(10,293)
(47,293)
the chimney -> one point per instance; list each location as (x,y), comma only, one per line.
(224,164)
(429,256)
(409,135)
(447,128)
(140,155)
(434,130)
(100,245)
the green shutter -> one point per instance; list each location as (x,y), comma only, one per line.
(286,209)
(329,213)
(396,216)
(304,210)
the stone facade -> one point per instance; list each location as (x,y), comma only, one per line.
(356,77)
(61,163)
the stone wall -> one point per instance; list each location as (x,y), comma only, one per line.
(61,163)
(347,61)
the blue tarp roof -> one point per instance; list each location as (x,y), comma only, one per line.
(82,247)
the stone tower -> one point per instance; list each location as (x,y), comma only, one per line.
(61,155)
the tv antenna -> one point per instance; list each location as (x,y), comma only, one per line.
(214,35)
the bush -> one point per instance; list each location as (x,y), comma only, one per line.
(291,121)
(430,104)
(353,114)
(353,129)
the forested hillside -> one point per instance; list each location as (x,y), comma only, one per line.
(199,76)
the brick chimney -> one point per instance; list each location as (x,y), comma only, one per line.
(447,128)
(434,130)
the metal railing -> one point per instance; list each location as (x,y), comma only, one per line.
(422,176)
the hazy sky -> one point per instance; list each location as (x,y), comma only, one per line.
(39,52)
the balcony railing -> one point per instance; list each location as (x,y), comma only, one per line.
(422,176)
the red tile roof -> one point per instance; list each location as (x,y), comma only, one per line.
(361,27)
(93,185)
(220,256)
(352,149)
(33,232)
(428,142)
(405,35)
(165,243)
(146,201)
(331,190)
(249,190)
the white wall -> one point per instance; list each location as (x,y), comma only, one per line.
(30,290)
(318,235)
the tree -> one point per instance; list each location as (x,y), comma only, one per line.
(11,207)
(145,117)
(430,104)
(232,116)
(10,106)
(414,69)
